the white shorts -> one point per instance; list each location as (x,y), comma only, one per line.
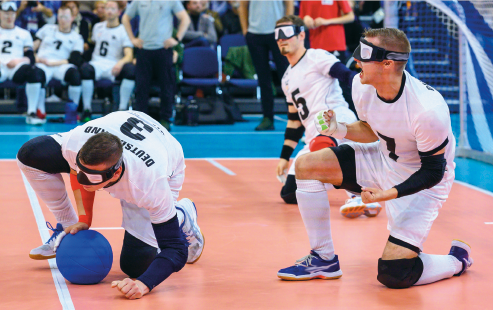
(137,221)
(55,72)
(409,217)
(8,73)
(102,70)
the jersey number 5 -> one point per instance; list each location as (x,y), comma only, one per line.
(300,104)
(390,146)
(132,128)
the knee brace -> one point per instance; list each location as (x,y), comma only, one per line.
(128,72)
(36,75)
(136,256)
(288,191)
(87,72)
(43,153)
(72,77)
(22,74)
(399,273)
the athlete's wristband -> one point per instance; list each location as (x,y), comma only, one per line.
(286,152)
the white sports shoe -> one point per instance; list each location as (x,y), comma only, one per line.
(33,119)
(47,250)
(355,207)
(191,229)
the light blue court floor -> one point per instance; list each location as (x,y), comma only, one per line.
(223,141)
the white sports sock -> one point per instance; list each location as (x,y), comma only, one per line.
(74,93)
(51,189)
(438,267)
(42,100)
(315,212)
(32,94)
(87,93)
(126,89)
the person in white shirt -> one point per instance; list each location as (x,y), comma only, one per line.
(59,54)
(135,159)
(403,154)
(111,59)
(311,84)
(16,47)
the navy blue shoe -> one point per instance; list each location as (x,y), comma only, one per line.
(462,252)
(312,267)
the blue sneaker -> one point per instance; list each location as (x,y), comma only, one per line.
(462,252)
(312,267)
(46,251)
(191,229)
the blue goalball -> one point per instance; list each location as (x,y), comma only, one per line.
(84,258)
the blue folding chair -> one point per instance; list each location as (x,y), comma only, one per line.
(200,68)
(225,43)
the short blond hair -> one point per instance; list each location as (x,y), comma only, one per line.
(391,39)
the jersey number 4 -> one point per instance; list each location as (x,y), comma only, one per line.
(300,104)
(390,146)
(133,127)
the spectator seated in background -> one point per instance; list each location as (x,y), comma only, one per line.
(59,54)
(201,31)
(111,59)
(79,25)
(99,11)
(16,55)
(230,19)
(32,15)
(218,25)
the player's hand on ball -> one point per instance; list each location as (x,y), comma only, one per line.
(326,122)
(73,229)
(130,288)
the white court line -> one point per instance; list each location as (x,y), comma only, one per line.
(488,223)
(61,286)
(280,119)
(218,165)
(475,188)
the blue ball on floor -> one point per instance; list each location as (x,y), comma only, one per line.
(84,258)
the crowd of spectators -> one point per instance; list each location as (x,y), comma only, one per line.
(334,26)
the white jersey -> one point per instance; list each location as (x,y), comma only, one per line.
(416,122)
(151,156)
(12,43)
(110,42)
(57,45)
(309,87)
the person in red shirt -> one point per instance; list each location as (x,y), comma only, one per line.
(325,20)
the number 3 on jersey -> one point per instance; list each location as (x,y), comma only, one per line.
(132,128)
(300,104)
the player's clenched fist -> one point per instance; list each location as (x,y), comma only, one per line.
(131,289)
(327,124)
